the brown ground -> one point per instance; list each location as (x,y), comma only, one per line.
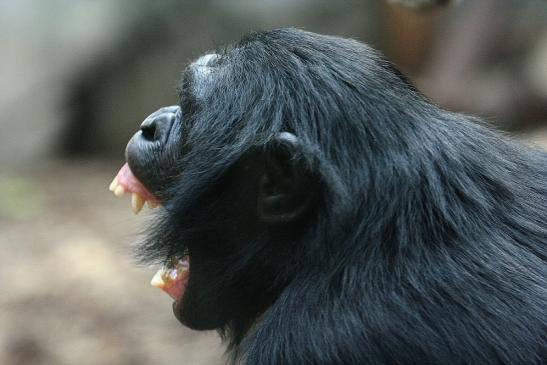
(70,290)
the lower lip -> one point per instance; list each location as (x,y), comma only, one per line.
(173,280)
(178,278)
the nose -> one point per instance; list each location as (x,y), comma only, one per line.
(156,127)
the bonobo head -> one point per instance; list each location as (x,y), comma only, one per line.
(317,209)
(264,165)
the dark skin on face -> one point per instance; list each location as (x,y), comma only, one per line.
(333,215)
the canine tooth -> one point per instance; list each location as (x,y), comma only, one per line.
(157,280)
(137,203)
(119,191)
(113,184)
(151,204)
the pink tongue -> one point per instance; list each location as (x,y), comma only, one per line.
(131,184)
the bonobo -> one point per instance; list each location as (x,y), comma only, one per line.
(317,209)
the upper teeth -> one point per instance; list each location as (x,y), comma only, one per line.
(137,201)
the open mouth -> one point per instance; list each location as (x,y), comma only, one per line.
(173,277)
(126,182)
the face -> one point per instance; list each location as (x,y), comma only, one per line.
(223,234)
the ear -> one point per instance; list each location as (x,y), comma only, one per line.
(285,192)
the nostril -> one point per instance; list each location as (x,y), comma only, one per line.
(156,126)
(149,131)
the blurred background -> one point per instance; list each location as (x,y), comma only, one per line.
(79,76)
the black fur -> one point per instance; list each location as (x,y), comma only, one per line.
(427,243)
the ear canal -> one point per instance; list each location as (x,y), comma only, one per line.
(283,208)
